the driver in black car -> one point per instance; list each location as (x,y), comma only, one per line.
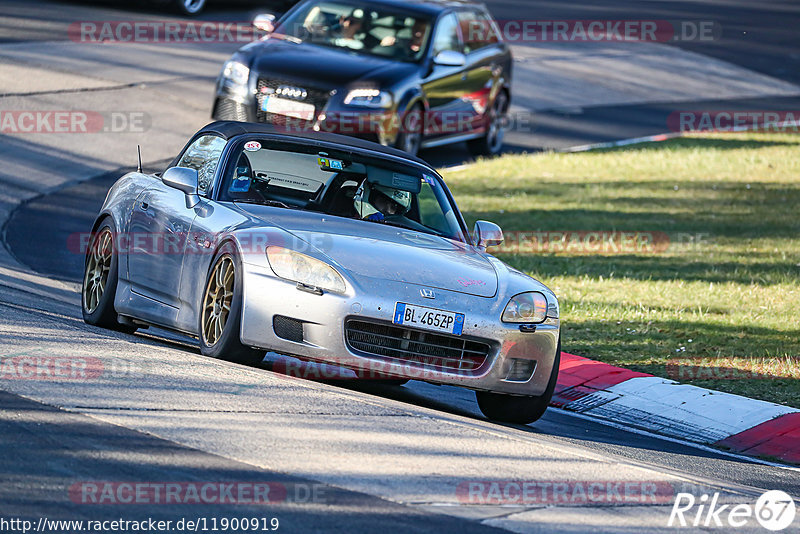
(345,33)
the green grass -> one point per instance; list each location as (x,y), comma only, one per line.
(723,295)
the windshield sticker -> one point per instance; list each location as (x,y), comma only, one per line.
(252,146)
(330,164)
(430,180)
(297,183)
(241,184)
(404,181)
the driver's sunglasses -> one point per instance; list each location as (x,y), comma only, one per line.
(376,194)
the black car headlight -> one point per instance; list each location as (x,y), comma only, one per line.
(526,308)
(237,72)
(369,98)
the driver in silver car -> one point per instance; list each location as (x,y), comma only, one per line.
(375,202)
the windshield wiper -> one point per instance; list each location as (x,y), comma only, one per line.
(269,202)
(284,37)
(396,224)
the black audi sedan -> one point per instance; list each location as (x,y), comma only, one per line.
(406,74)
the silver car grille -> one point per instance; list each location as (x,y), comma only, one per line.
(427,348)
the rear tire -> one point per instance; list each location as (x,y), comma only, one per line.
(220,317)
(519,410)
(100,276)
(491,144)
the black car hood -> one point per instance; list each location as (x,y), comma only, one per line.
(323,67)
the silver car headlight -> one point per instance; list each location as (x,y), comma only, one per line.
(304,269)
(526,308)
(236,72)
(369,98)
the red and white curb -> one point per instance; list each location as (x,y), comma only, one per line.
(666,407)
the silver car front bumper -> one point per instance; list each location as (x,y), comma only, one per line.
(324,336)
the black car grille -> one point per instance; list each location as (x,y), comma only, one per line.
(318,97)
(230,110)
(435,350)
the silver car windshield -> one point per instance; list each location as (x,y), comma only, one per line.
(372,190)
(356,28)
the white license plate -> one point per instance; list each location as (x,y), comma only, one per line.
(289,108)
(428,318)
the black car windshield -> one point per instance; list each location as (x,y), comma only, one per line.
(358,28)
(339,183)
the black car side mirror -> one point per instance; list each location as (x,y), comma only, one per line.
(265,22)
(450,58)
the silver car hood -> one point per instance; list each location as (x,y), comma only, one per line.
(387,252)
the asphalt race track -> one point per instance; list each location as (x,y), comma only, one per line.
(338,456)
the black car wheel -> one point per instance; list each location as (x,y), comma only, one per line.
(411,128)
(220,317)
(519,410)
(100,280)
(491,144)
(189,7)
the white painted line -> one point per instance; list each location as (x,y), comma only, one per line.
(698,446)
(621,142)
(682,410)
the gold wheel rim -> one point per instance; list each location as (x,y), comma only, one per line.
(217,300)
(98,266)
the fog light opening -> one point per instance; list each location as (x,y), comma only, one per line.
(521,370)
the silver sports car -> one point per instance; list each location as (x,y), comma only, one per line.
(327,249)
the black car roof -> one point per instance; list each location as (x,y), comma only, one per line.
(432,7)
(230,129)
(428,7)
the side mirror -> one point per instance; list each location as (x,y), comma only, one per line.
(488,234)
(450,58)
(183,179)
(265,22)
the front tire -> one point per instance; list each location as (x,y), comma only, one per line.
(519,410)
(491,144)
(409,139)
(100,277)
(189,7)
(220,317)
